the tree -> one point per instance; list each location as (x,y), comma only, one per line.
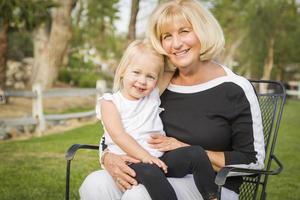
(231,16)
(51,45)
(132,23)
(261,35)
(4,23)
(93,27)
(17,14)
(271,28)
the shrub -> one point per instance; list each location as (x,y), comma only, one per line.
(83,79)
(88,80)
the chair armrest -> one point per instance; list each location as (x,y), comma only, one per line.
(69,157)
(73,149)
(224,172)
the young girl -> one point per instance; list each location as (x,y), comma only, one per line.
(131,114)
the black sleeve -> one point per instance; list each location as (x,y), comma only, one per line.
(247,135)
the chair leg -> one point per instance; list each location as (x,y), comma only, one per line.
(264,196)
(68,179)
(219,192)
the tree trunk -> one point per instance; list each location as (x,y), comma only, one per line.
(3,51)
(228,57)
(131,28)
(280,73)
(268,64)
(40,70)
(50,49)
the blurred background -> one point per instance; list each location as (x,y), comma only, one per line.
(76,42)
(58,56)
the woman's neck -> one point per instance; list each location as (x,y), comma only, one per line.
(204,72)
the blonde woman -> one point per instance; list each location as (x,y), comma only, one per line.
(130,116)
(205,104)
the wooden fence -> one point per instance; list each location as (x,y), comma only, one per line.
(293,89)
(38,118)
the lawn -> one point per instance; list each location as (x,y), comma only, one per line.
(35,168)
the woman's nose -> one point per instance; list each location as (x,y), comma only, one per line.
(176,43)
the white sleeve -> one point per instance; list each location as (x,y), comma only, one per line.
(106,96)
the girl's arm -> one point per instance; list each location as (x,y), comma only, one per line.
(113,124)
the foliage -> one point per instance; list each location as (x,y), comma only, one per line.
(35,168)
(259,20)
(83,74)
(276,19)
(20,45)
(27,13)
(93,27)
(76,62)
(84,79)
(88,80)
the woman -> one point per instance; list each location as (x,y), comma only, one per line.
(205,104)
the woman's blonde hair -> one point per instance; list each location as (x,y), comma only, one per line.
(136,50)
(204,24)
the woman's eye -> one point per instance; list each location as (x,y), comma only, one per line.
(135,72)
(166,36)
(184,31)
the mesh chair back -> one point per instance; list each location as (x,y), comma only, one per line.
(271,96)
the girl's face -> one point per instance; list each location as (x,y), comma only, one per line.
(181,44)
(140,78)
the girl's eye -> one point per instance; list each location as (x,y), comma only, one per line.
(135,72)
(151,77)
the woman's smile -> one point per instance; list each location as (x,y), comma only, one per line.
(181,53)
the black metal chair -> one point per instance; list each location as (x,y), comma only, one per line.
(254,185)
(271,104)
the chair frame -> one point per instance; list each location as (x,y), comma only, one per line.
(261,175)
(225,171)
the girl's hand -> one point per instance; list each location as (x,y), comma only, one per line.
(164,143)
(153,160)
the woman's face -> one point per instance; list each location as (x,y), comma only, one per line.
(181,44)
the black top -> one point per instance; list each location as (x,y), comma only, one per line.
(220,115)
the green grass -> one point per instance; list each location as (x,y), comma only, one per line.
(287,184)
(35,168)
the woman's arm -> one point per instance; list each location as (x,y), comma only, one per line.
(164,143)
(164,82)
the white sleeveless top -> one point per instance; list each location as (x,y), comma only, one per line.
(140,118)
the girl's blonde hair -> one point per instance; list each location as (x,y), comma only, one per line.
(136,50)
(204,24)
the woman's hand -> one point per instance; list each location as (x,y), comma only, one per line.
(217,159)
(164,143)
(153,160)
(117,167)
